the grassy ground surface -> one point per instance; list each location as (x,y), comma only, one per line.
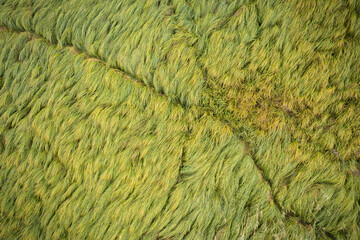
(179,119)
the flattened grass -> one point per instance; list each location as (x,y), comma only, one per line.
(152,119)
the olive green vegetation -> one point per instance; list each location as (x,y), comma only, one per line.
(179,119)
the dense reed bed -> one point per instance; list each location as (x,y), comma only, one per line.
(179,119)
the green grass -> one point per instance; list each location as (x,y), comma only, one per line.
(179,119)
